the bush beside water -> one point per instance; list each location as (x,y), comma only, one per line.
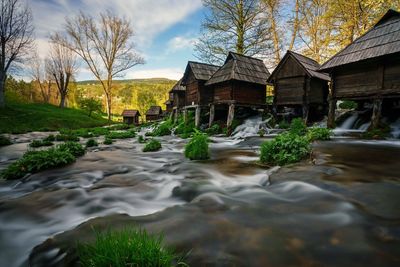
(4,141)
(152,145)
(316,133)
(197,148)
(91,143)
(121,135)
(40,143)
(128,247)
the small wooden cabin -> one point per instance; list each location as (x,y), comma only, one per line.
(131,116)
(194,79)
(178,95)
(154,113)
(169,105)
(298,84)
(368,69)
(240,82)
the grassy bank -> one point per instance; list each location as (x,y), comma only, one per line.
(21,118)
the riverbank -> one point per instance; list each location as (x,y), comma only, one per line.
(22,118)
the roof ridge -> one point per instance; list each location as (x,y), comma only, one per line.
(202,63)
(251,57)
(290,51)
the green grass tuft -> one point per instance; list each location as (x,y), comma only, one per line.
(316,133)
(141,139)
(128,247)
(91,143)
(108,141)
(297,126)
(121,135)
(40,143)
(65,138)
(4,141)
(197,148)
(74,148)
(152,145)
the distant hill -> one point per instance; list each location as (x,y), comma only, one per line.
(149,80)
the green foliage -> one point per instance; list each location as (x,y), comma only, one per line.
(214,129)
(128,247)
(316,133)
(91,143)
(347,104)
(283,125)
(108,141)
(35,161)
(90,105)
(65,137)
(297,126)
(377,134)
(141,139)
(284,149)
(86,132)
(22,118)
(121,135)
(74,148)
(4,141)
(40,143)
(120,127)
(197,148)
(152,145)
(164,128)
(50,138)
(261,132)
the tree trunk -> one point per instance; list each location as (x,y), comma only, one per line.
(376,113)
(62,102)
(2,89)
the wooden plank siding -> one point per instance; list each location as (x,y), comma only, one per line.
(192,86)
(249,93)
(290,91)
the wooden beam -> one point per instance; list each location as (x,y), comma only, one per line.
(332,104)
(197,117)
(231,115)
(212,115)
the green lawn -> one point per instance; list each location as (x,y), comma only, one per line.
(21,118)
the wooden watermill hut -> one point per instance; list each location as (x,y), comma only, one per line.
(131,116)
(240,82)
(298,85)
(154,113)
(178,96)
(368,69)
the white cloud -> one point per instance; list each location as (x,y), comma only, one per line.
(170,73)
(180,42)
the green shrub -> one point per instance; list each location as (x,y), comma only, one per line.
(36,161)
(4,141)
(297,126)
(141,139)
(377,134)
(283,125)
(316,133)
(214,129)
(66,137)
(128,247)
(86,132)
(261,132)
(50,138)
(40,143)
(91,143)
(346,104)
(164,128)
(108,141)
(121,135)
(284,149)
(90,105)
(197,148)
(152,145)
(74,148)
(119,127)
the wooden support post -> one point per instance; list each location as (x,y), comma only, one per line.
(376,113)
(176,115)
(197,117)
(231,115)
(185,115)
(305,113)
(332,104)
(212,115)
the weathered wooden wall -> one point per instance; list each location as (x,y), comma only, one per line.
(249,93)
(192,90)
(152,117)
(223,91)
(318,93)
(289,91)
(179,99)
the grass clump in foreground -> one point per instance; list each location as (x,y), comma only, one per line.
(121,135)
(284,149)
(152,145)
(128,247)
(108,141)
(4,141)
(40,143)
(197,148)
(297,126)
(316,133)
(91,143)
(36,161)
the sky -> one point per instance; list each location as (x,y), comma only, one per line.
(165,30)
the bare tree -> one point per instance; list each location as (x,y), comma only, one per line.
(41,77)
(61,65)
(16,38)
(233,25)
(105,46)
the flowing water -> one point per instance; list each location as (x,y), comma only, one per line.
(341,208)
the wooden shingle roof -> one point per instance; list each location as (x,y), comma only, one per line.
(383,39)
(178,87)
(241,68)
(130,113)
(201,71)
(154,110)
(309,65)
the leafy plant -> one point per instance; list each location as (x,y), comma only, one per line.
(4,141)
(283,125)
(121,135)
(261,132)
(108,141)
(65,137)
(90,105)
(50,138)
(164,128)
(284,149)
(297,126)
(91,143)
(377,134)
(127,247)
(214,129)
(197,148)
(317,133)
(74,148)
(347,104)
(40,143)
(141,139)
(152,145)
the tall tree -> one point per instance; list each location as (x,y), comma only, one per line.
(104,45)
(40,77)
(16,38)
(233,25)
(61,65)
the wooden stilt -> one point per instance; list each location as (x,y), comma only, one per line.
(176,115)
(212,115)
(331,113)
(305,113)
(197,117)
(376,113)
(231,115)
(185,119)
